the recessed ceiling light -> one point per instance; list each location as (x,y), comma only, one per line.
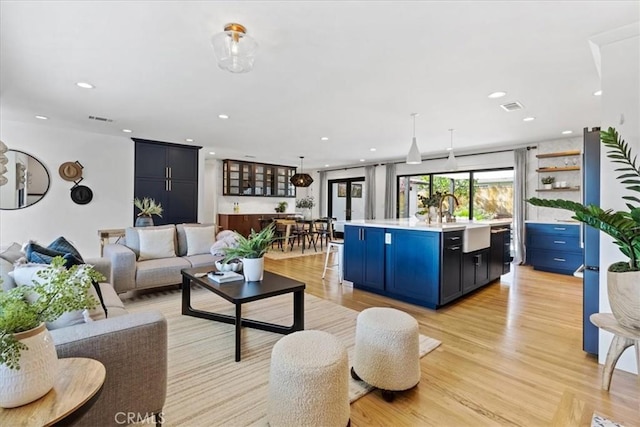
(449,148)
(597,93)
(362,160)
(567,132)
(127,130)
(223,116)
(324,138)
(189,140)
(528,119)
(497,95)
(326,166)
(213,153)
(85,85)
(372,149)
(42,117)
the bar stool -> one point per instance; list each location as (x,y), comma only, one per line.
(339,245)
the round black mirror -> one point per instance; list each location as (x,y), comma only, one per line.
(26,180)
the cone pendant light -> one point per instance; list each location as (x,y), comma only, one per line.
(414,158)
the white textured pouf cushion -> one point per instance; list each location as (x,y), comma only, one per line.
(387,351)
(308,381)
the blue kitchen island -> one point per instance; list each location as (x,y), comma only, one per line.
(425,264)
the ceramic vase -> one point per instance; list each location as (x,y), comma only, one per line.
(144,221)
(37,373)
(624,297)
(253,269)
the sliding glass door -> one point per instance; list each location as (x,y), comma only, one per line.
(346,200)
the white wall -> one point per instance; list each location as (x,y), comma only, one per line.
(620,98)
(108,172)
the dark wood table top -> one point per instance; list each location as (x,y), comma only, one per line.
(240,291)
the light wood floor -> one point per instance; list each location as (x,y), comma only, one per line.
(511,354)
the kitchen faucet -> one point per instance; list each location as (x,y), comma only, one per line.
(442,200)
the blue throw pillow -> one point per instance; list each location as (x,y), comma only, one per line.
(59,247)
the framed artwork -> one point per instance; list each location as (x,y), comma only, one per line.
(356,191)
(342,190)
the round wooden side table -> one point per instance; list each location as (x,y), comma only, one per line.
(79,380)
(623,338)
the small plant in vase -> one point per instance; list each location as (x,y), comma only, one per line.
(251,251)
(147,207)
(282,207)
(24,340)
(547,182)
(430,205)
(306,203)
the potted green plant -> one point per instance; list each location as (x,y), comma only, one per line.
(282,206)
(623,278)
(430,205)
(306,203)
(251,251)
(27,354)
(147,207)
(547,182)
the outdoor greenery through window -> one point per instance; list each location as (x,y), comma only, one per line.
(481,194)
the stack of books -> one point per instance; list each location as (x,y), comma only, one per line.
(226,276)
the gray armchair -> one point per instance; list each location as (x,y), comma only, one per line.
(133,349)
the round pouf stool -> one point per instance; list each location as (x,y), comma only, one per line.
(308,381)
(387,351)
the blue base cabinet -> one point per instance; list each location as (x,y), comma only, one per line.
(554,247)
(413,265)
(364,257)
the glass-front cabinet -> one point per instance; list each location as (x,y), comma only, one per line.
(257,179)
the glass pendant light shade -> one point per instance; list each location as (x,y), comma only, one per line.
(414,157)
(234,49)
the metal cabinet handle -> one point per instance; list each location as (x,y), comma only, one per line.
(170,185)
(166,185)
(559,259)
(170,171)
(560,242)
(454,238)
(454,248)
(560,228)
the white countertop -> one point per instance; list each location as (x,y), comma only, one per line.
(556,221)
(414,224)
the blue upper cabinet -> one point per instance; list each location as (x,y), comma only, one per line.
(364,256)
(554,247)
(413,265)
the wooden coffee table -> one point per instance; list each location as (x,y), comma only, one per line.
(76,388)
(241,292)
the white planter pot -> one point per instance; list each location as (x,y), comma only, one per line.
(547,186)
(37,373)
(624,297)
(253,269)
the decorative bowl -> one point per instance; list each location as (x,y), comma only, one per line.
(234,266)
(422,217)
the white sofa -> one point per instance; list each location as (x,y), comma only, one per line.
(130,270)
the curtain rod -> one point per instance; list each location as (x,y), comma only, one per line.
(528,147)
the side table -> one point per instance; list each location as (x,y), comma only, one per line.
(623,338)
(79,381)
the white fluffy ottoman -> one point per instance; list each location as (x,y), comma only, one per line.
(308,381)
(387,351)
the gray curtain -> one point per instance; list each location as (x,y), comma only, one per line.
(390,191)
(370,196)
(519,204)
(321,194)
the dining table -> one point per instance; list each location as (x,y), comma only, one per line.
(289,223)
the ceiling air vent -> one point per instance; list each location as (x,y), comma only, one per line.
(100,119)
(512,106)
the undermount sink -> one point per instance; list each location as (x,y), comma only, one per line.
(476,238)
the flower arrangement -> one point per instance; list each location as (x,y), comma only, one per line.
(148,207)
(305,203)
(57,290)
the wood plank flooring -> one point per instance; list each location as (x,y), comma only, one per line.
(511,354)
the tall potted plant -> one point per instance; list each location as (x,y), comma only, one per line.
(147,207)
(28,356)
(623,278)
(251,251)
